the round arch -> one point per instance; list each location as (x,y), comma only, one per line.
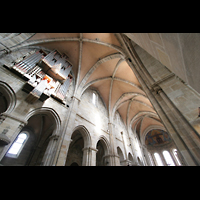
(48,111)
(105,144)
(121,155)
(85,134)
(8,95)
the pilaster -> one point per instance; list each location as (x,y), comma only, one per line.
(114,158)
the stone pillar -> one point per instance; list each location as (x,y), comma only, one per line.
(93,153)
(173,126)
(162,158)
(67,132)
(114,158)
(184,130)
(126,156)
(50,151)
(89,156)
(86,156)
(148,162)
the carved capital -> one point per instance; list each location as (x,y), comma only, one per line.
(54,137)
(157,89)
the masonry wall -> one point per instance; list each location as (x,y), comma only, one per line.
(185,98)
(93,118)
(22,108)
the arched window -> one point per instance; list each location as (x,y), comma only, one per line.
(17,145)
(158,159)
(168,158)
(94,98)
(176,156)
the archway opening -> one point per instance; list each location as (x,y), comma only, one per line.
(120,154)
(130,158)
(75,153)
(32,152)
(74,164)
(7,98)
(101,155)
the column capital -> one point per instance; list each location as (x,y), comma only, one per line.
(111,155)
(156,88)
(73,97)
(54,137)
(89,149)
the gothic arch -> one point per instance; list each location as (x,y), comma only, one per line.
(49,111)
(130,158)
(85,134)
(105,144)
(43,128)
(121,155)
(9,97)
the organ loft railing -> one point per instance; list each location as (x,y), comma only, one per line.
(46,75)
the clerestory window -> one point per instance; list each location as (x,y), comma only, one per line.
(168,158)
(17,145)
(94,98)
(158,159)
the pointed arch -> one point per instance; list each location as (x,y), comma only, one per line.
(85,134)
(9,96)
(130,158)
(121,154)
(105,144)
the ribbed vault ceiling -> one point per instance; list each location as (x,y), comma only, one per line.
(98,62)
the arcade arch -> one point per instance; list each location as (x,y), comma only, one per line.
(102,155)
(43,124)
(80,141)
(7,98)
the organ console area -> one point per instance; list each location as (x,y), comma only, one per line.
(46,75)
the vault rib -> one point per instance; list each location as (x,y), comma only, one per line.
(111,87)
(140,114)
(79,62)
(65,39)
(94,67)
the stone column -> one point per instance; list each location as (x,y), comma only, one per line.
(86,156)
(148,162)
(184,130)
(191,156)
(67,132)
(93,153)
(89,156)
(114,158)
(50,151)
(125,162)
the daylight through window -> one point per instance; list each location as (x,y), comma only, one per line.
(94,98)
(168,158)
(18,144)
(158,159)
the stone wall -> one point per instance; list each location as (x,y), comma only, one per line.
(185,98)
(79,113)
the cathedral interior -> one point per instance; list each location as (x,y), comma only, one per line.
(99,99)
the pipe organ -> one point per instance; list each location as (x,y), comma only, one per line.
(46,75)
